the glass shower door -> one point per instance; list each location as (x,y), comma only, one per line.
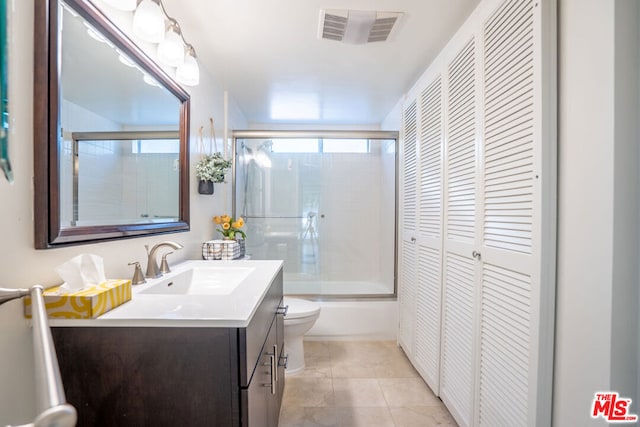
(324,206)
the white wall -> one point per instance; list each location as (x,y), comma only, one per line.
(393,121)
(626,255)
(597,279)
(21,265)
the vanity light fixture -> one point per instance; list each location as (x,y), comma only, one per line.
(189,73)
(152,23)
(171,49)
(148,21)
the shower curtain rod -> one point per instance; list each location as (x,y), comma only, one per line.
(276,217)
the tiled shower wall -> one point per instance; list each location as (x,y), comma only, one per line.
(137,186)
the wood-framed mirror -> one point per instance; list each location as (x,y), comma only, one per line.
(90,79)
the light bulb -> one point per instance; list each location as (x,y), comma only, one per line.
(148,22)
(171,49)
(189,73)
(127,5)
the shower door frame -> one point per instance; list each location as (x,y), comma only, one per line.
(329,134)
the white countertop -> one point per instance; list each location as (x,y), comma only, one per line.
(234,310)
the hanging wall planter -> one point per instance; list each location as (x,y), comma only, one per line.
(205,187)
(210,168)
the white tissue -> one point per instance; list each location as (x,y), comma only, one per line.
(82,271)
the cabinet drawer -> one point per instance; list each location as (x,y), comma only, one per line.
(252,338)
(259,399)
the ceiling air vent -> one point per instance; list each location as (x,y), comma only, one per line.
(356,26)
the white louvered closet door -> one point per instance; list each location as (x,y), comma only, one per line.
(409,217)
(477,284)
(429,257)
(459,267)
(510,282)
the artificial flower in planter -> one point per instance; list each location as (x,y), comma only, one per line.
(210,169)
(229,227)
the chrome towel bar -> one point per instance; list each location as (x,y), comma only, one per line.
(51,404)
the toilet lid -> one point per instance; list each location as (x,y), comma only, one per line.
(300,308)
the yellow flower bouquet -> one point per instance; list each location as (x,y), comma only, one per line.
(230,227)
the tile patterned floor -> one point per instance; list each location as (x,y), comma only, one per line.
(359,384)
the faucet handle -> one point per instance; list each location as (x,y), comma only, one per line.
(164,265)
(138,277)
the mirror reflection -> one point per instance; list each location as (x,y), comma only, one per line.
(120,178)
(109,174)
(110,132)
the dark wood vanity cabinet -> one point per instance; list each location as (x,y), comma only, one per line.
(261,397)
(177,376)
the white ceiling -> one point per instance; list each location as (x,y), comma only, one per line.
(266,53)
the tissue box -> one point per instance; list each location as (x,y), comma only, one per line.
(85,304)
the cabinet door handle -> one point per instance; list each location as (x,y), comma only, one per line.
(283,310)
(476,255)
(274,369)
(284,361)
(272,384)
(275,356)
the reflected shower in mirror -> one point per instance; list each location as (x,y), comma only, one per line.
(119,178)
(116,130)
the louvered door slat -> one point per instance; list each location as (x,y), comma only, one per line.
(508,225)
(461,133)
(456,373)
(508,77)
(430,160)
(510,52)
(518,67)
(515,137)
(505,348)
(409,170)
(406,295)
(428,302)
(426,355)
(508,15)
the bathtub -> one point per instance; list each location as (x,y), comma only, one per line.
(325,288)
(355,320)
(345,314)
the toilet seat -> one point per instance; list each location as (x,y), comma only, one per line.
(299,308)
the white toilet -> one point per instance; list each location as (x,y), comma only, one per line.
(300,317)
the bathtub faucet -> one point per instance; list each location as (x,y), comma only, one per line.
(153,271)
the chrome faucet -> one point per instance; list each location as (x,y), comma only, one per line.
(153,271)
(138,277)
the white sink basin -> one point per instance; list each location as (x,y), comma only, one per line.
(221,280)
(196,293)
